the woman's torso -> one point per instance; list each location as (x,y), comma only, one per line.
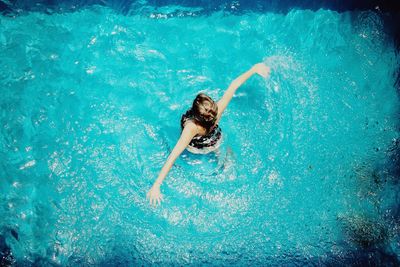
(202,143)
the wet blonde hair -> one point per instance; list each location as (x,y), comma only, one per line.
(205,111)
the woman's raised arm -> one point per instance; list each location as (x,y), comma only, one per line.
(260,68)
(154,195)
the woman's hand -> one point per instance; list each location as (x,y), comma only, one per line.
(261,69)
(154,195)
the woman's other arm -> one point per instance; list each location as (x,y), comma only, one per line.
(154,195)
(259,68)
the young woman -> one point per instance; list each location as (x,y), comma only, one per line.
(200,130)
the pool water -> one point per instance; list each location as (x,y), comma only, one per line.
(90,109)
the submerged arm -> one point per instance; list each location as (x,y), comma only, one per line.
(154,194)
(259,68)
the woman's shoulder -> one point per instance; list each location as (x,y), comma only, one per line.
(193,125)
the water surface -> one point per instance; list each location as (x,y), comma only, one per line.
(90,108)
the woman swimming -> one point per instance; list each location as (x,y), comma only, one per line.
(200,130)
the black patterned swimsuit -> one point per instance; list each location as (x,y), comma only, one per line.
(202,141)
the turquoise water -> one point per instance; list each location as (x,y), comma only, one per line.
(90,108)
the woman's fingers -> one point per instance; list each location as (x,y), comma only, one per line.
(154,199)
(262,69)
